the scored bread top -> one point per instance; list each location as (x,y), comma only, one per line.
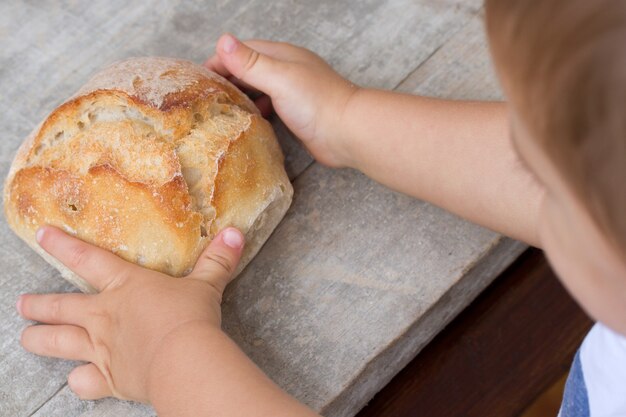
(150,159)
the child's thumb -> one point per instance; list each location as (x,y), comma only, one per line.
(219,260)
(250,66)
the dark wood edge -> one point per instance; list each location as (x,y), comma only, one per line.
(515,340)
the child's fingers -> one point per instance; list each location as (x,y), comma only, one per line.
(88,383)
(272,51)
(68,308)
(280,50)
(277,50)
(250,66)
(97,266)
(215,64)
(59,341)
(244,86)
(219,260)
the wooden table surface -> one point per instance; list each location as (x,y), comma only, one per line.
(504,350)
(357,279)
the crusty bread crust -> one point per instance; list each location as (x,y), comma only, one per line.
(150,159)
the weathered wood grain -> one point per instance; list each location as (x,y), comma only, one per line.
(357,278)
(515,340)
(352,303)
(461,69)
(66,404)
(26,380)
(54,47)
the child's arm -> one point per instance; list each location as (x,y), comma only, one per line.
(200,371)
(455,154)
(149,337)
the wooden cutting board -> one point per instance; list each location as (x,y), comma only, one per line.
(357,278)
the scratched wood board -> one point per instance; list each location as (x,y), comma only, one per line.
(357,278)
(461,69)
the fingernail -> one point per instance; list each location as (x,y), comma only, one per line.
(233,238)
(18,305)
(229,44)
(39,234)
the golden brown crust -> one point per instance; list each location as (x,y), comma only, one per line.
(149,160)
(165,83)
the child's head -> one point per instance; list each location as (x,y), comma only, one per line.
(563,66)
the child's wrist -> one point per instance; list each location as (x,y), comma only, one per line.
(343,143)
(171,353)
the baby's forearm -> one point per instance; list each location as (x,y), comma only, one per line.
(199,371)
(454,154)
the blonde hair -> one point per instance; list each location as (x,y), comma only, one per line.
(565,63)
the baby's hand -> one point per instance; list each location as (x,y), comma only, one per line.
(119,330)
(307,94)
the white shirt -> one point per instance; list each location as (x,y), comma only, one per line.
(596,386)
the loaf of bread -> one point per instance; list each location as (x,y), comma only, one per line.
(150,160)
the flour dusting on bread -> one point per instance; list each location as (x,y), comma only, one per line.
(150,159)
